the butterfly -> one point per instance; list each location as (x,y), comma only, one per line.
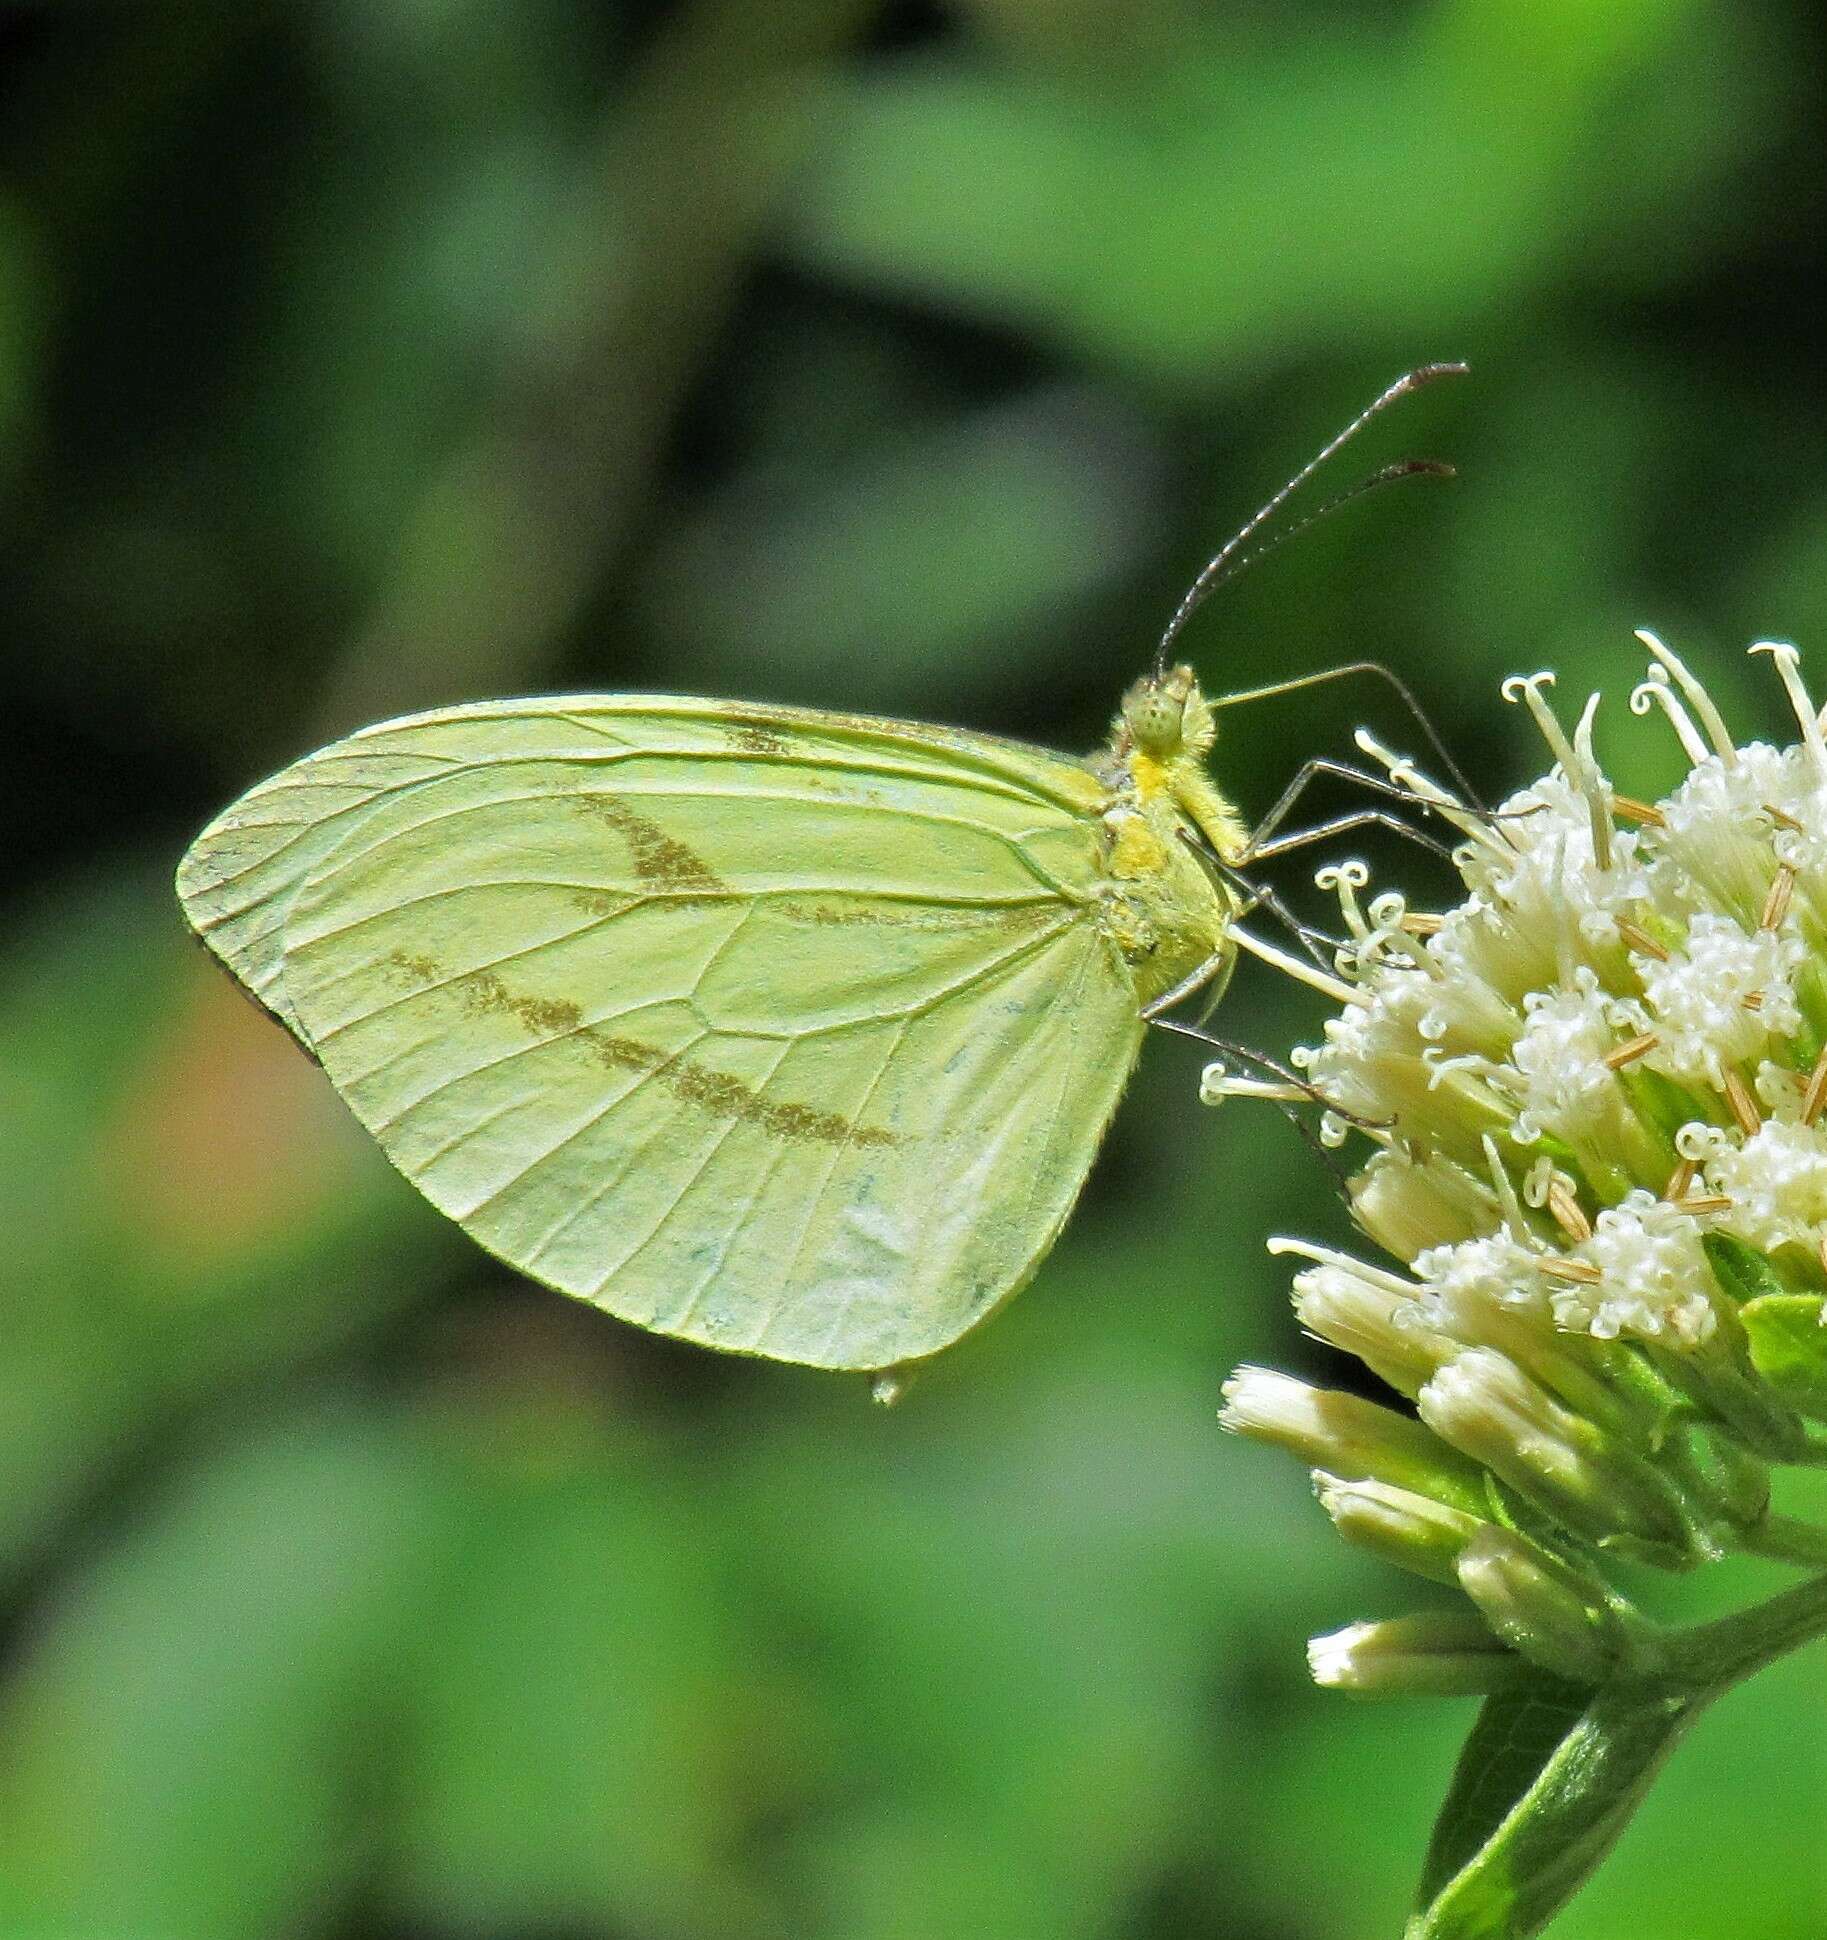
(789,1032)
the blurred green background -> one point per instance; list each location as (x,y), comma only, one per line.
(362,355)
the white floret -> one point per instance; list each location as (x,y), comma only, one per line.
(1654,1279)
(1718,841)
(1777,1182)
(1553,879)
(1494,1270)
(1697,1004)
(1560,1058)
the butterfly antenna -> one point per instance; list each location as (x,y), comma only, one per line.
(1403,468)
(1225,562)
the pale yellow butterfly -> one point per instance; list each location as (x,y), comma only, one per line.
(788,1032)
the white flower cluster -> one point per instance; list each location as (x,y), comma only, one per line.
(1597,1089)
(1617,1040)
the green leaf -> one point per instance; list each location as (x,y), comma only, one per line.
(1547,1781)
(1743,1271)
(1789,1347)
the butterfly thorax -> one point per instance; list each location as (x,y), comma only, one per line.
(1165,909)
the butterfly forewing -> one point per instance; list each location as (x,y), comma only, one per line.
(782,1032)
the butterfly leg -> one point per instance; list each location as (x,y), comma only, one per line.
(1318,944)
(1342,824)
(1216,969)
(1217,966)
(1291,1080)
(1264,841)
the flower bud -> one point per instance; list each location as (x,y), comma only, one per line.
(1490,1410)
(1348,1436)
(1408,1203)
(1403,1528)
(1541,1607)
(1438,1653)
(1494,1292)
(1727,1389)
(1385,1331)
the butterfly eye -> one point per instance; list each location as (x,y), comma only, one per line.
(1155,712)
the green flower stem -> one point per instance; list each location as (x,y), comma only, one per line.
(1711,1657)
(1785,1539)
(1553,1770)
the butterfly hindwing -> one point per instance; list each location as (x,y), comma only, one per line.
(783,1032)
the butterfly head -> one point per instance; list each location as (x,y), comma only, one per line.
(1166,717)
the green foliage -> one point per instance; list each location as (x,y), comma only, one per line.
(1552,1773)
(1548,1779)
(1789,1347)
(369,356)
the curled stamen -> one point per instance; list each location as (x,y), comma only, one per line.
(1551,1189)
(1217,1083)
(1656,689)
(1390,935)
(1345,879)
(1390,910)
(1697,1142)
(1443,1070)
(1696,696)
(1527,688)
(1340,993)
(1789,672)
(1376,1276)
(1405,774)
